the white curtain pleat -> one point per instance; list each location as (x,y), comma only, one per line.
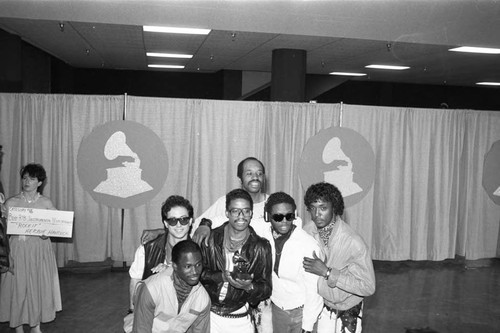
(48,129)
(205,140)
(426,203)
(479,216)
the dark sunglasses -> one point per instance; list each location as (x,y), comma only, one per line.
(174,220)
(280,217)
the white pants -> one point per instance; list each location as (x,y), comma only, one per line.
(329,323)
(219,324)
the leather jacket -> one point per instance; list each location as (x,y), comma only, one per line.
(257,251)
(154,254)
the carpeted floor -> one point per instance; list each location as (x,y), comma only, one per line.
(449,296)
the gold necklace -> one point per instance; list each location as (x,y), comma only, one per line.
(233,245)
(37,196)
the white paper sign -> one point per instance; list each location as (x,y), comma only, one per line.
(38,222)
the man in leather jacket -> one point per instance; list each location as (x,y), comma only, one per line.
(237,267)
(155,256)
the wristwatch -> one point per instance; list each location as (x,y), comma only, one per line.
(250,289)
(327,275)
(206,222)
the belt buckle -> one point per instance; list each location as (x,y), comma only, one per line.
(331,309)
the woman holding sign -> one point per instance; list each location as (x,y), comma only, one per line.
(30,290)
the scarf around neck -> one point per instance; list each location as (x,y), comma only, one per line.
(325,233)
(182,290)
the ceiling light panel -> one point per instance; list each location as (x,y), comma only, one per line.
(173,43)
(388,67)
(488,83)
(165,66)
(347,74)
(169,55)
(473,49)
(176,30)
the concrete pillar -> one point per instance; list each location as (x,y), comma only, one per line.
(288,78)
(232,84)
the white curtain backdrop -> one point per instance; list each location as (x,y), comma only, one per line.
(205,141)
(478,216)
(48,129)
(427,201)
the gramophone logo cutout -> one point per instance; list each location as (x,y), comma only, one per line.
(491,172)
(342,157)
(342,174)
(122,164)
(122,181)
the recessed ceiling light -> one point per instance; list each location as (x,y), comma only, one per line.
(472,49)
(347,74)
(174,30)
(396,68)
(166,66)
(489,83)
(169,55)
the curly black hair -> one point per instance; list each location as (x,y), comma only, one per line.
(325,192)
(35,171)
(185,246)
(241,165)
(238,194)
(277,198)
(175,201)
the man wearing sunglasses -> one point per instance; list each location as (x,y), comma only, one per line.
(155,256)
(296,303)
(346,276)
(237,267)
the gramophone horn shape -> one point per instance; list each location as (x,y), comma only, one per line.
(117,146)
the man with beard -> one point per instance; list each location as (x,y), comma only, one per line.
(296,303)
(174,300)
(237,267)
(347,274)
